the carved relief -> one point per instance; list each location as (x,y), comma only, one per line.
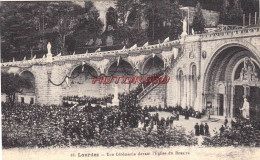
(191,53)
(136,60)
(204,54)
(101,65)
(248,72)
(167,58)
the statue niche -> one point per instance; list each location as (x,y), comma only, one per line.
(248,72)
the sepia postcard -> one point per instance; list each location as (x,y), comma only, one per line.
(130,79)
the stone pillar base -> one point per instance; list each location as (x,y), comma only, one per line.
(115,102)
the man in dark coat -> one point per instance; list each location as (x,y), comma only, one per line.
(206,129)
(201,129)
(197,129)
(186,113)
(167,122)
(222,129)
(226,122)
(156,118)
(171,121)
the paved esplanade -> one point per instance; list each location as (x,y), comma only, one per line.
(217,69)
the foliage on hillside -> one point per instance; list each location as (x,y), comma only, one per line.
(27,27)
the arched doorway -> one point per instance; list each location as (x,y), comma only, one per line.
(81,82)
(246,76)
(28,94)
(223,87)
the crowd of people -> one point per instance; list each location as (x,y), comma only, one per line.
(67,100)
(47,125)
(127,125)
(241,131)
(201,129)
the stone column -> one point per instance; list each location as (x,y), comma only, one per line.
(185,95)
(225,107)
(177,90)
(231,114)
(188,90)
(191,90)
(102,67)
(49,85)
(215,104)
(103,90)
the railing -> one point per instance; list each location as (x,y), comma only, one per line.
(229,27)
(95,54)
(151,86)
(226,31)
(230,32)
(146,90)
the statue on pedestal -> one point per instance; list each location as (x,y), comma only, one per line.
(115,101)
(184,27)
(245,109)
(49,48)
(49,54)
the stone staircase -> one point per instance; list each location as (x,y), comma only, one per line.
(151,86)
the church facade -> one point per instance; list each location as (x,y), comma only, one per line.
(218,70)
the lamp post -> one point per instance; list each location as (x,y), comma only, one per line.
(187,8)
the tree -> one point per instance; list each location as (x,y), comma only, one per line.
(89,26)
(66,16)
(223,17)
(198,23)
(250,6)
(174,20)
(21,26)
(123,8)
(235,13)
(164,19)
(30,25)
(111,17)
(12,83)
(154,14)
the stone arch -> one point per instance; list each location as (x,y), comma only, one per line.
(221,69)
(28,75)
(123,63)
(28,94)
(79,65)
(220,48)
(124,69)
(158,62)
(233,43)
(238,64)
(81,82)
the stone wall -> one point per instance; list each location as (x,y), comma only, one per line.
(155,98)
(196,50)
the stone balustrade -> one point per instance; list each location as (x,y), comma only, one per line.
(113,53)
(230,33)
